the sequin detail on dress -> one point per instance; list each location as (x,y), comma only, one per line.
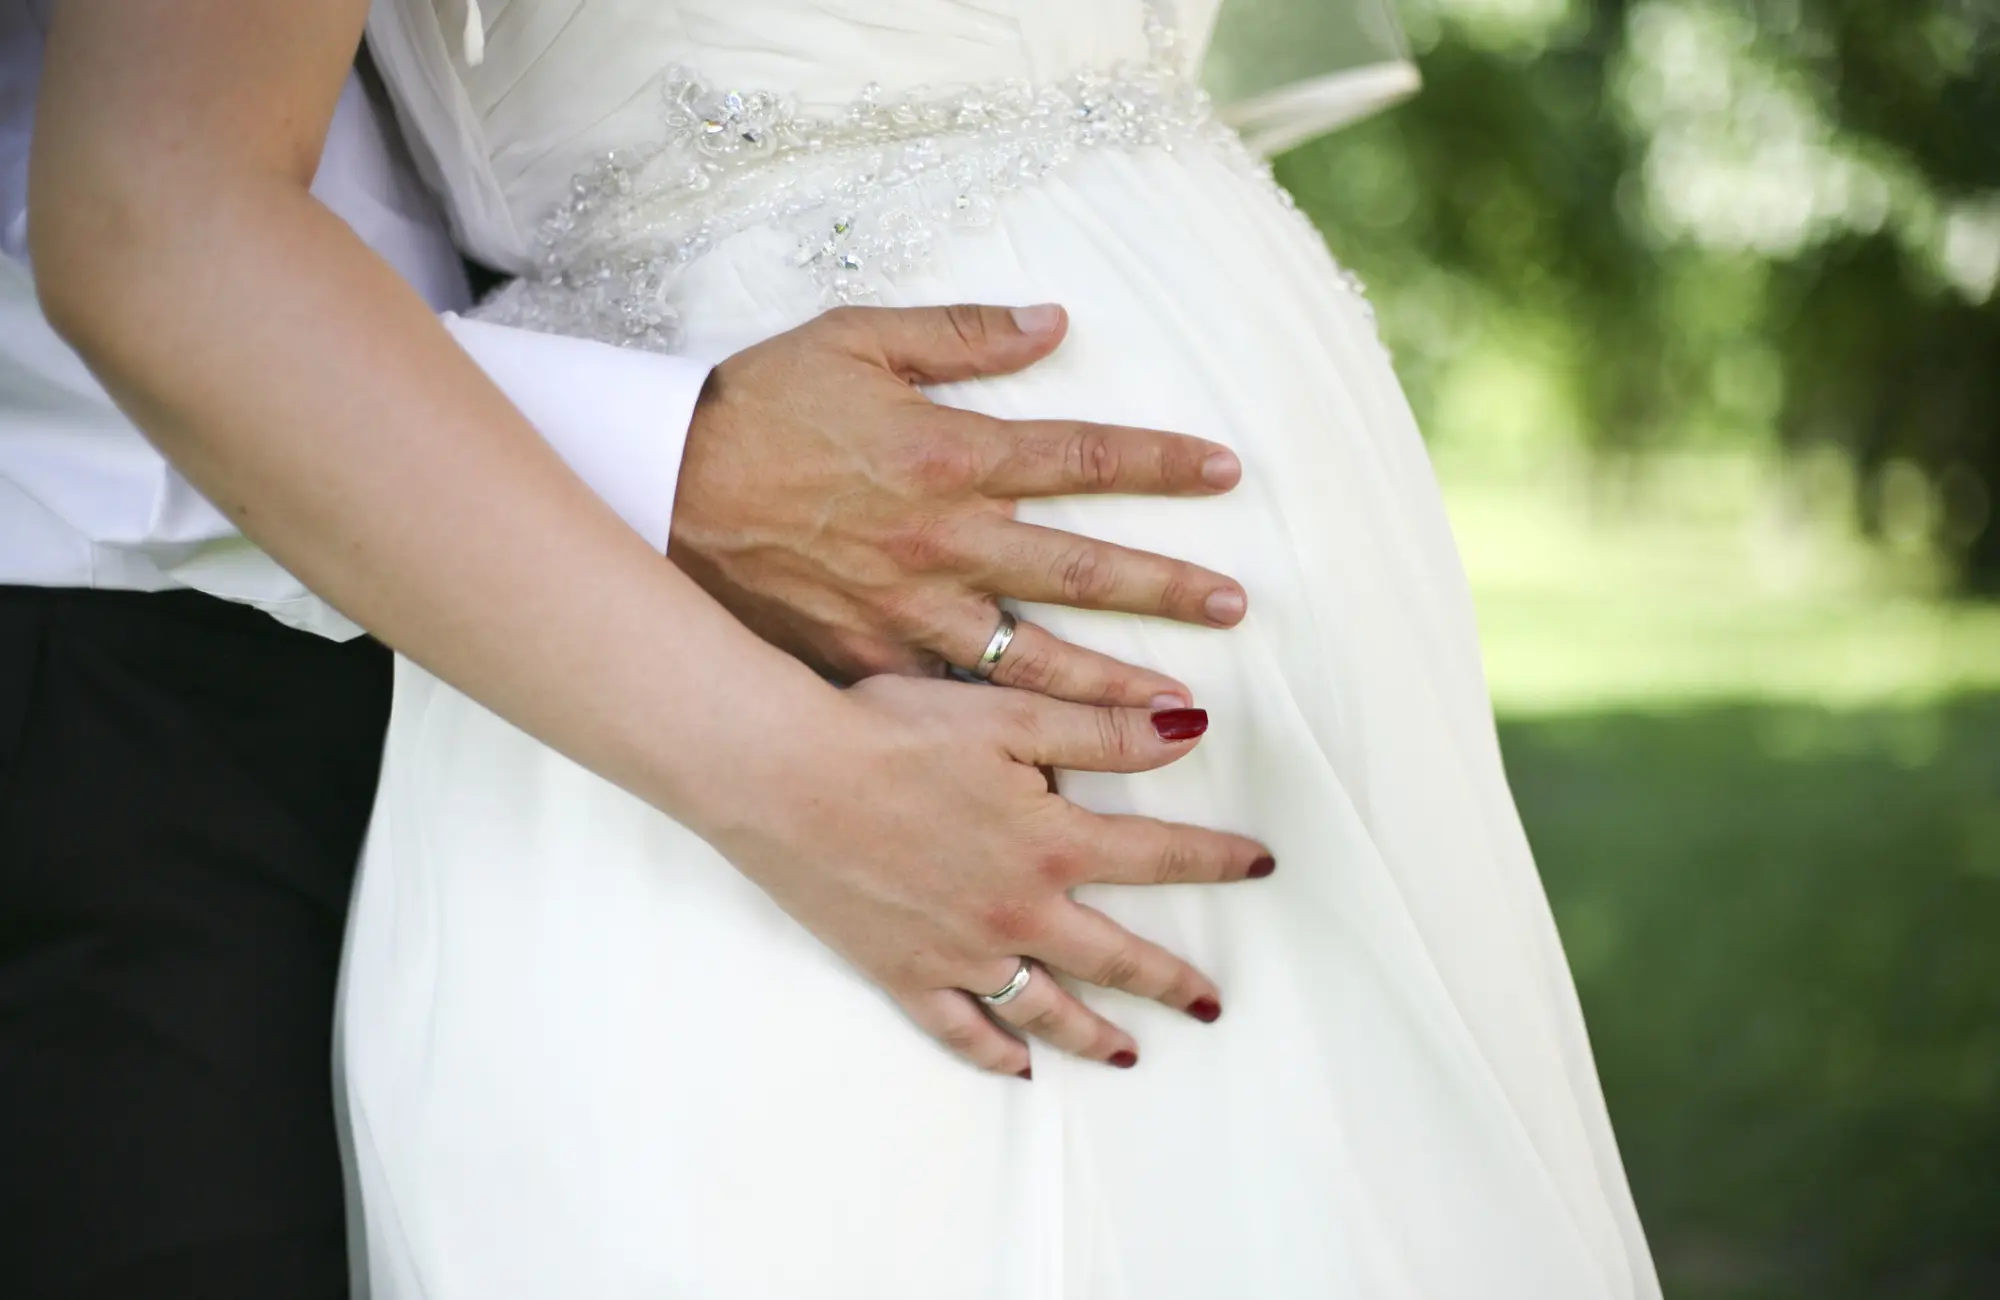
(866,193)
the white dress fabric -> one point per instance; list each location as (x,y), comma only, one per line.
(584,1057)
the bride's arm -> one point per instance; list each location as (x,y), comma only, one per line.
(305,388)
(310,393)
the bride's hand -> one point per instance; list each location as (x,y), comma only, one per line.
(849,520)
(935,857)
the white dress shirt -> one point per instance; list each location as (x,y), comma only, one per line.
(85,500)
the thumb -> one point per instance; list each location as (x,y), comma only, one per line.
(940,345)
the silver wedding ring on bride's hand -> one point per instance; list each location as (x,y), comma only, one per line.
(1013,988)
(996,645)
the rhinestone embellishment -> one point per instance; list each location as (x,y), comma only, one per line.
(866,193)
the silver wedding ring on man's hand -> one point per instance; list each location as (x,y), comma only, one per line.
(1013,987)
(996,645)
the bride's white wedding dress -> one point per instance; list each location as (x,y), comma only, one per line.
(585,1058)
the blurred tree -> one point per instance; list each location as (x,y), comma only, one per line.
(1681,222)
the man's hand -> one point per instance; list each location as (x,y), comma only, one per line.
(932,855)
(847,519)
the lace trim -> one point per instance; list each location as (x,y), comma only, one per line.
(867,192)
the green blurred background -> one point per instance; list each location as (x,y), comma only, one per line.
(1697,302)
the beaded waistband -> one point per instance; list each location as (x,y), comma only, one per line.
(866,192)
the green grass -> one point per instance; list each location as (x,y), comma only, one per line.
(1760,763)
(1700,579)
(1787,939)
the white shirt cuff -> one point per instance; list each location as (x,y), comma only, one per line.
(617,416)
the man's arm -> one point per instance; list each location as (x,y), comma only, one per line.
(618,419)
(850,520)
(305,389)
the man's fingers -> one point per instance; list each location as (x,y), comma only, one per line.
(1025,562)
(940,345)
(1048,1011)
(1092,947)
(1054,733)
(954,1019)
(1039,661)
(1141,851)
(1052,458)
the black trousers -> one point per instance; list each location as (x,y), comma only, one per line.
(184,786)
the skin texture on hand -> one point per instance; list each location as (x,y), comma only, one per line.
(847,519)
(934,929)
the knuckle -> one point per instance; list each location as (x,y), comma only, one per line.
(1058,868)
(969,323)
(941,466)
(1114,691)
(993,1050)
(1046,1023)
(903,616)
(1094,458)
(1114,737)
(963,1037)
(1082,575)
(844,322)
(1030,668)
(1178,589)
(1012,923)
(921,546)
(1019,713)
(1119,969)
(1181,987)
(1178,862)
(1001,1060)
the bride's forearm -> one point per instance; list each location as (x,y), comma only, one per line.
(307,391)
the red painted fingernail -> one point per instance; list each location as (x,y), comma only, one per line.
(1124,1059)
(1180,724)
(1206,1010)
(1028,1073)
(1262,867)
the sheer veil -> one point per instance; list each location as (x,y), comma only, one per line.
(1283,71)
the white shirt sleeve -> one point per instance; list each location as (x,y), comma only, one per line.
(618,417)
(86,501)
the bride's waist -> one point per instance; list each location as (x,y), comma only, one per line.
(861,200)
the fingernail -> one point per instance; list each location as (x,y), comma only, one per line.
(1039,319)
(1262,867)
(1028,1073)
(1225,606)
(1180,724)
(1163,702)
(1124,1059)
(1206,1010)
(1221,469)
